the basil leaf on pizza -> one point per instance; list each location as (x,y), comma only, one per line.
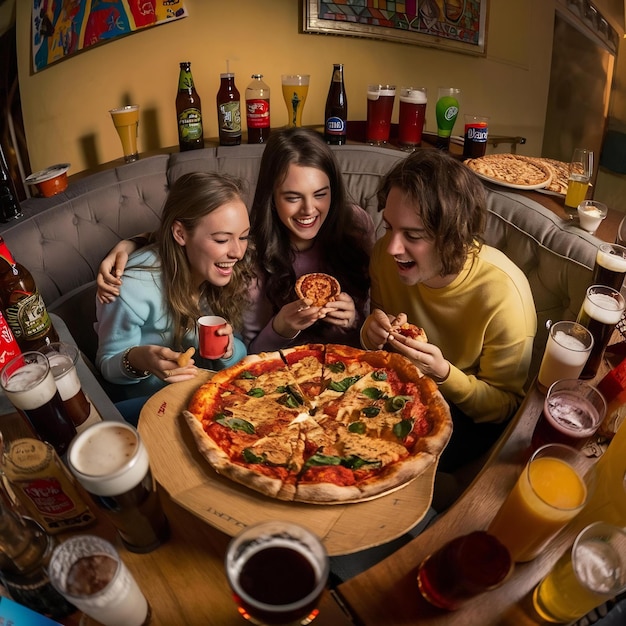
(320,423)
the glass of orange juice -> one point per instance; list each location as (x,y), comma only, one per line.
(580,172)
(550,491)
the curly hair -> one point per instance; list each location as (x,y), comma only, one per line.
(449,198)
(342,240)
(192,197)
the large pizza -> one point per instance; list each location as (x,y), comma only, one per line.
(320,423)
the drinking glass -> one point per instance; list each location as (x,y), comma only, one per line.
(277,572)
(593,571)
(295,90)
(463,568)
(63,358)
(602,308)
(446,112)
(412,114)
(566,353)
(610,266)
(126,121)
(580,172)
(380,100)
(111,463)
(590,215)
(28,383)
(549,493)
(475,137)
(89,573)
(620,238)
(573,410)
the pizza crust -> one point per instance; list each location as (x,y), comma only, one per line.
(318,287)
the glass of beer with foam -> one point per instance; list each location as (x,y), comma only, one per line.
(111,463)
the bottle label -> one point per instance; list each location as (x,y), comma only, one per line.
(258,113)
(8,345)
(335,126)
(190,124)
(48,496)
(229,114)
(29,317)
(185,80)
(477,134)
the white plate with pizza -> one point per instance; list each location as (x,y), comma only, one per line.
(330,444)
(513,171)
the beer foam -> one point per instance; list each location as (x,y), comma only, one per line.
(613,262)
(30,387)
(569,341)
(65,375)
(602,308)
(374,95)
(414,96)
(108,458)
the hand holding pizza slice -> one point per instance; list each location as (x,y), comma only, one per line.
(318,288)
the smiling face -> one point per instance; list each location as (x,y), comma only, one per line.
(411,247)
(219,240)
(302,202)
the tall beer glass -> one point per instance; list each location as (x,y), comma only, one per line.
(63,358)
(610,266)
(380,99)
(111,462)
(295,90)
(602,308)
(29,384)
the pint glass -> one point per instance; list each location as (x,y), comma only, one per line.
(610,266)
(380,100)
(111,462)
(412,115)
(63,358)
(602,308)
(29,384)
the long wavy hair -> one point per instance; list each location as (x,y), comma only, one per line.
(342,240)
(192,197)
(449,198)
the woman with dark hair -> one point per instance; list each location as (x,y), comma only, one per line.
(197,266)
(475,305)
(302,222)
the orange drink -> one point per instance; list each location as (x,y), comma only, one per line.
(126,121)
(548,494)
(295,90)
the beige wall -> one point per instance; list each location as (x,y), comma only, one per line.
(65,106)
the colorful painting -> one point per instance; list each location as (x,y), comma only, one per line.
(63,27)
(453,24)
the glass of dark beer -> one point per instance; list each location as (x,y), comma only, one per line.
(111,462)
(63,358)
(277,571)
(602,308)
(610,266)
(29,384)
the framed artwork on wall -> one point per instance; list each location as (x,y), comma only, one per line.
(60,29)
(455,25)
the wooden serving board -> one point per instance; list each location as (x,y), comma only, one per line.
(191,482)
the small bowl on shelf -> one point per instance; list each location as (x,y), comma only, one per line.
(51,181)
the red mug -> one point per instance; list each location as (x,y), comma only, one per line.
(212,345)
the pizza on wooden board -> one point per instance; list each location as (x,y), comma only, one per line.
(320,423)
(318,287)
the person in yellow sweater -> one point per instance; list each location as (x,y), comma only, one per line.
(476,306)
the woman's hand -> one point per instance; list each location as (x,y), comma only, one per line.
(111,270)
(294,317)
(375,331)
(227,329)
(162,362)
(341,312)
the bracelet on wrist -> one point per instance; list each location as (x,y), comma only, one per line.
(129,369)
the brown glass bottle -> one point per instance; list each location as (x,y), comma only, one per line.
(188,111)
(228,111)
(336,113)
(24,308)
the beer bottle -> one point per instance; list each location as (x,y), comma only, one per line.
(25,551)
(188,111)
(24,308)
(258,110)
(228,111)
(9,204)
(336,115)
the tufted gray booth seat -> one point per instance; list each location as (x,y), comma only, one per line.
(63,239)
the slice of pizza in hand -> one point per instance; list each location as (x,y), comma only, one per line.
(317,287)
(411,331)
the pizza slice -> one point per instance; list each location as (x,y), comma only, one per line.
(306,364)
(318,287)
(409,330)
